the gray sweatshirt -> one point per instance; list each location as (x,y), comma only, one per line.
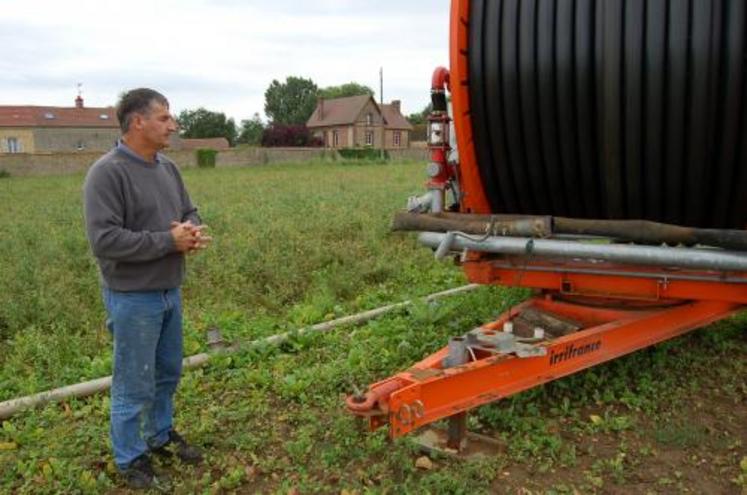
(129,206)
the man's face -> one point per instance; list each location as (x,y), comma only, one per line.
(157,125)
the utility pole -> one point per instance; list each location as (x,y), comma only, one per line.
(381,108)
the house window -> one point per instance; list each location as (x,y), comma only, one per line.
(397,138)
(335,139)
(13,145)
(369,138)
(369,119)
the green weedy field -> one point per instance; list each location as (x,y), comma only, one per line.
(297,244)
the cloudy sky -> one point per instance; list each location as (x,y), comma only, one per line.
(220,54)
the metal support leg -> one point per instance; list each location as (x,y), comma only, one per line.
(457,438)
(457,431)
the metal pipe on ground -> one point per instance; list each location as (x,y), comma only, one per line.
(705,259)
(13,406)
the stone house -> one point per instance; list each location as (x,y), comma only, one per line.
(358,121)
(38,129)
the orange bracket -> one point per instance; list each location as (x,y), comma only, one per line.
(613,315)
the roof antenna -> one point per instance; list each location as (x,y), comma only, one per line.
(381,100)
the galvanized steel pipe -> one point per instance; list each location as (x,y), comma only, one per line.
(705,259)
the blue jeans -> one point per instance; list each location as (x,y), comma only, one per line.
(147,331)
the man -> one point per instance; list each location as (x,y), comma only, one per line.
(140,223)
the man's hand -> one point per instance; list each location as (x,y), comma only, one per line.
(201,241)
(189,238)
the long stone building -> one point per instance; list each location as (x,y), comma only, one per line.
(38,129)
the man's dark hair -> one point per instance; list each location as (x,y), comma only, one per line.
(137,101)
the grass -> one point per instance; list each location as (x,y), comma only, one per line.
(297,244)
(294,245)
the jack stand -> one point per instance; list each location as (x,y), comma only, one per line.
(456,441)
(457,432)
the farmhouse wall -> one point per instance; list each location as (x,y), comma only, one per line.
(24,139)
(56,139)
(389,139)
(34,164)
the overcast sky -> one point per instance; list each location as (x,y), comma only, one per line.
(219,54)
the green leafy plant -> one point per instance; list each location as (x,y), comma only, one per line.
(206,158)
(367,153)
(271,419)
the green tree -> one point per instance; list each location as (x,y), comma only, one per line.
(291,102)
(202,123)
(419,123)
(251,130)
(420,117)
(347,89)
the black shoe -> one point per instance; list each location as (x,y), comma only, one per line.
(177,446)
(140,475)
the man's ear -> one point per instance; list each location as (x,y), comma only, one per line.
(137,121)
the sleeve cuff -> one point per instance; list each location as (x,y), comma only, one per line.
(194,218)
(167,241)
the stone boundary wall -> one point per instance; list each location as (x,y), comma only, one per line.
(35,164)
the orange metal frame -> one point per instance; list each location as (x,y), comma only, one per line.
(475,200)
(620,308)
(619,314)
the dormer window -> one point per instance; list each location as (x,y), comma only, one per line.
(369,119)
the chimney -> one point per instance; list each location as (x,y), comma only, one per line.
(321,108)
(78,101)
(396,105)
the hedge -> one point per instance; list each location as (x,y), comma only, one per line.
(206,158)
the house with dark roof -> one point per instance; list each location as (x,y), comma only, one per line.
(38,129)
(358,121)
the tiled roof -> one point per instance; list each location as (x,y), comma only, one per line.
(33,116)
(338,111)
(217,144)
(394,118)
(345,111)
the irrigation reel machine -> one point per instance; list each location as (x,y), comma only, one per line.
(588,132)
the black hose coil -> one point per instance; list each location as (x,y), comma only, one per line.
(611,108)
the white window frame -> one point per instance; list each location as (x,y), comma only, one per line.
(335,138)
(397,138)
(369,138)
(369,119)
(13,144)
